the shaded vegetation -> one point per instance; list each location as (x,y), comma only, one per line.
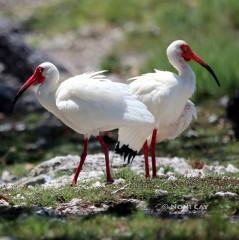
(137,226)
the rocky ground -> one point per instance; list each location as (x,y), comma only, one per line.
(56,174)
(58,171)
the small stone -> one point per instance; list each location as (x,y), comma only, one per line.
(97,185)
(187,197)
(7,238)
(46,211)
(161,170)
(162,175)
(119,181)
(32,181)
(191,134)
(195,173)
(172,178)
(161,192)
(213,169)
(213,118)
(120,189)
(19,196)
(6,127)
(225,194)
(226,139)
(7,176)
(231,169)
(75,201)
(58,181)
(223,101)
(3,202)
(169,173)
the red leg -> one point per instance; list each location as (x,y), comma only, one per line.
(82,160)
(153,150)
(146,158)
(107,161)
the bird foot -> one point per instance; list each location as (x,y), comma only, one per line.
(73,183)
(109,181)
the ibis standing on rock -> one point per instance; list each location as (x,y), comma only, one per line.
(89,104)
(166,95)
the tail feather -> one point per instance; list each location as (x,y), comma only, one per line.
(134,137)
(126,152)
(131,141)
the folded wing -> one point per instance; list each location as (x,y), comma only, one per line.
(90,102)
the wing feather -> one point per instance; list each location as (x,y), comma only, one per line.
(91,102)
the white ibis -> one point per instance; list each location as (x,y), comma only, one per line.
(166,95)
(89,104)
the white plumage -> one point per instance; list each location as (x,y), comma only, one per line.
(88,103)
(91,104)
(175,129)
(166,99)
(135,139)
(166,95)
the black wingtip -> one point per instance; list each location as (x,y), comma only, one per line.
(126,152)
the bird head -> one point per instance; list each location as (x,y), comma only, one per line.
(42,73)
(181,50)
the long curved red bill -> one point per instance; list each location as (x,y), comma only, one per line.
(199,60)
(35,78)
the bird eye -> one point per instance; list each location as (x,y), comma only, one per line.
(184,48)
(186,52)
(40,69)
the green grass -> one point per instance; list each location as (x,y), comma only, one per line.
(137,226)
(137,188)
(112,63)
(24,147)
(18,169)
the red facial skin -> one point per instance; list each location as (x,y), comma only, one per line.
(39,77)
(36,78)
(188,54)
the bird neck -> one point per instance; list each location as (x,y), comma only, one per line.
(186,75)
(51,82)
(45,92)
(185,72)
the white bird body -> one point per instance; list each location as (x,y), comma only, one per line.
(89,104)
(174,129)
(166,95)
